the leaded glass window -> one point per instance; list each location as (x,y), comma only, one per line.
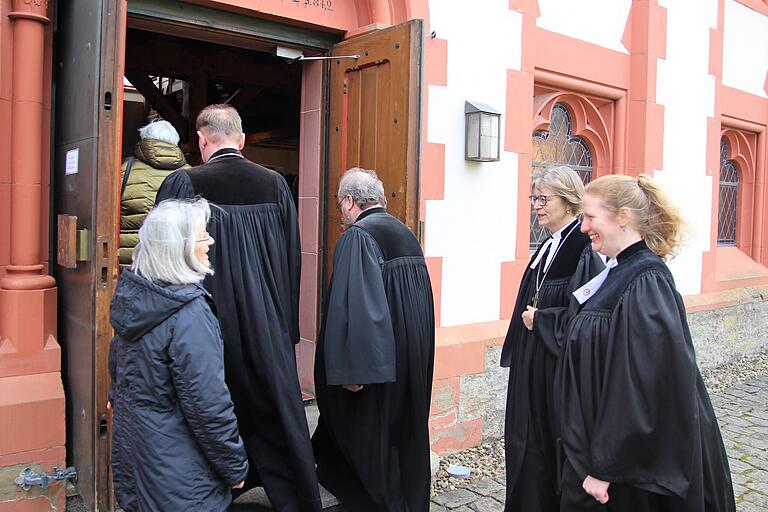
(729,196)
(558,147)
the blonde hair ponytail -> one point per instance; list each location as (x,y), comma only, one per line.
(654,215)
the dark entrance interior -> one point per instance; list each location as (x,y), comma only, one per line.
(174,78)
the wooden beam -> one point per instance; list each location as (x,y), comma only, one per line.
(144,84)
(245,97)
(269,135)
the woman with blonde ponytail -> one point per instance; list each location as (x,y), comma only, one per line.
(637,427)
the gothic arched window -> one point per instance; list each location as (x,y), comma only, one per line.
(729,196)
(558,146)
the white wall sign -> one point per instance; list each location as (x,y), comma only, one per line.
(73,158)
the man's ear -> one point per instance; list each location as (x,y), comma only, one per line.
(202,139)
(242,142)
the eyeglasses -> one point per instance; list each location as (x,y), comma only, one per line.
(338,205)
(206,238)
(542,199)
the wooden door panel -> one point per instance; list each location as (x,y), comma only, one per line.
(89,48)
(373,121)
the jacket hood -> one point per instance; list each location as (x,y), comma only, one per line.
(160,154)
(139,305)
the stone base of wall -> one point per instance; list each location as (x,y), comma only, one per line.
(469,409)
(725,334)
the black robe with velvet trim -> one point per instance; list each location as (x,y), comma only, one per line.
(372,446)
(256,259)
(632,405)
(531,357)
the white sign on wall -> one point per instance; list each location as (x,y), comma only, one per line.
(73,159)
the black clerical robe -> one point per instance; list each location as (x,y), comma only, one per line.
(372,447)
(531,357)
(256,259)
(632,405)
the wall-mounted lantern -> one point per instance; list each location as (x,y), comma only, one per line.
(482,131)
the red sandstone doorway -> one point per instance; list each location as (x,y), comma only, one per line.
(91,125)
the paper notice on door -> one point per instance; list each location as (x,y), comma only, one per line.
(73,158)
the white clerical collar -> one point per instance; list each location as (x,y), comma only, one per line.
(587,291)
(557,235)
(552,243)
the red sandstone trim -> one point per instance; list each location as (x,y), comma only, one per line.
(760,6)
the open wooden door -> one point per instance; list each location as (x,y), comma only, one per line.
(374,120)
(88,103)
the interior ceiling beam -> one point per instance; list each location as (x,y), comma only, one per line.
(179,58)
(168,111)
(269,135)
(245,97)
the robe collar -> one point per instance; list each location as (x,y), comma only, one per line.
(587,291)
(369,211)
(631,251)
(223,152)
(552,243)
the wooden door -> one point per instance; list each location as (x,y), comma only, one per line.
(374,120)
(88,104)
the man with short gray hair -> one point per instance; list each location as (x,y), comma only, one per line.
(256,288)
(374,360)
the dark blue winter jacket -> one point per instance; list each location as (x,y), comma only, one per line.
(175,444)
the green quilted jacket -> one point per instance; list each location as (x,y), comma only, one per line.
(154,161)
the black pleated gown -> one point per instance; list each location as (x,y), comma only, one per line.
(633,407)
(372,447)
(531,356)
(256,259)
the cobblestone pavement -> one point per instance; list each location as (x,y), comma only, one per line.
(742,411)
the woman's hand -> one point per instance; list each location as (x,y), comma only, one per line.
(528,317)
(597,488)
(239,486)
(353,387)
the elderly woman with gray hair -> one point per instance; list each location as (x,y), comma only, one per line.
(175,442)
(531,347)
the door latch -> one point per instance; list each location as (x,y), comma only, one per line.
(28,477)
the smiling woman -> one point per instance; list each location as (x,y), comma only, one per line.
(637,426)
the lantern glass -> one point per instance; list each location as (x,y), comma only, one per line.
(489,137)
(473,136)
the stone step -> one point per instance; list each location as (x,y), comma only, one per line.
(256,500)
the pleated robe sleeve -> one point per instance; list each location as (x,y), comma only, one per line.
(176,186)
(293,254)
(647,427)
(550,324)
(359,339)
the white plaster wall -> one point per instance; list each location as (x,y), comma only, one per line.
(473,227)
(600,22)
(687,91)
(745,48)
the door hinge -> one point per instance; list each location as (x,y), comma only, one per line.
(28,477)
